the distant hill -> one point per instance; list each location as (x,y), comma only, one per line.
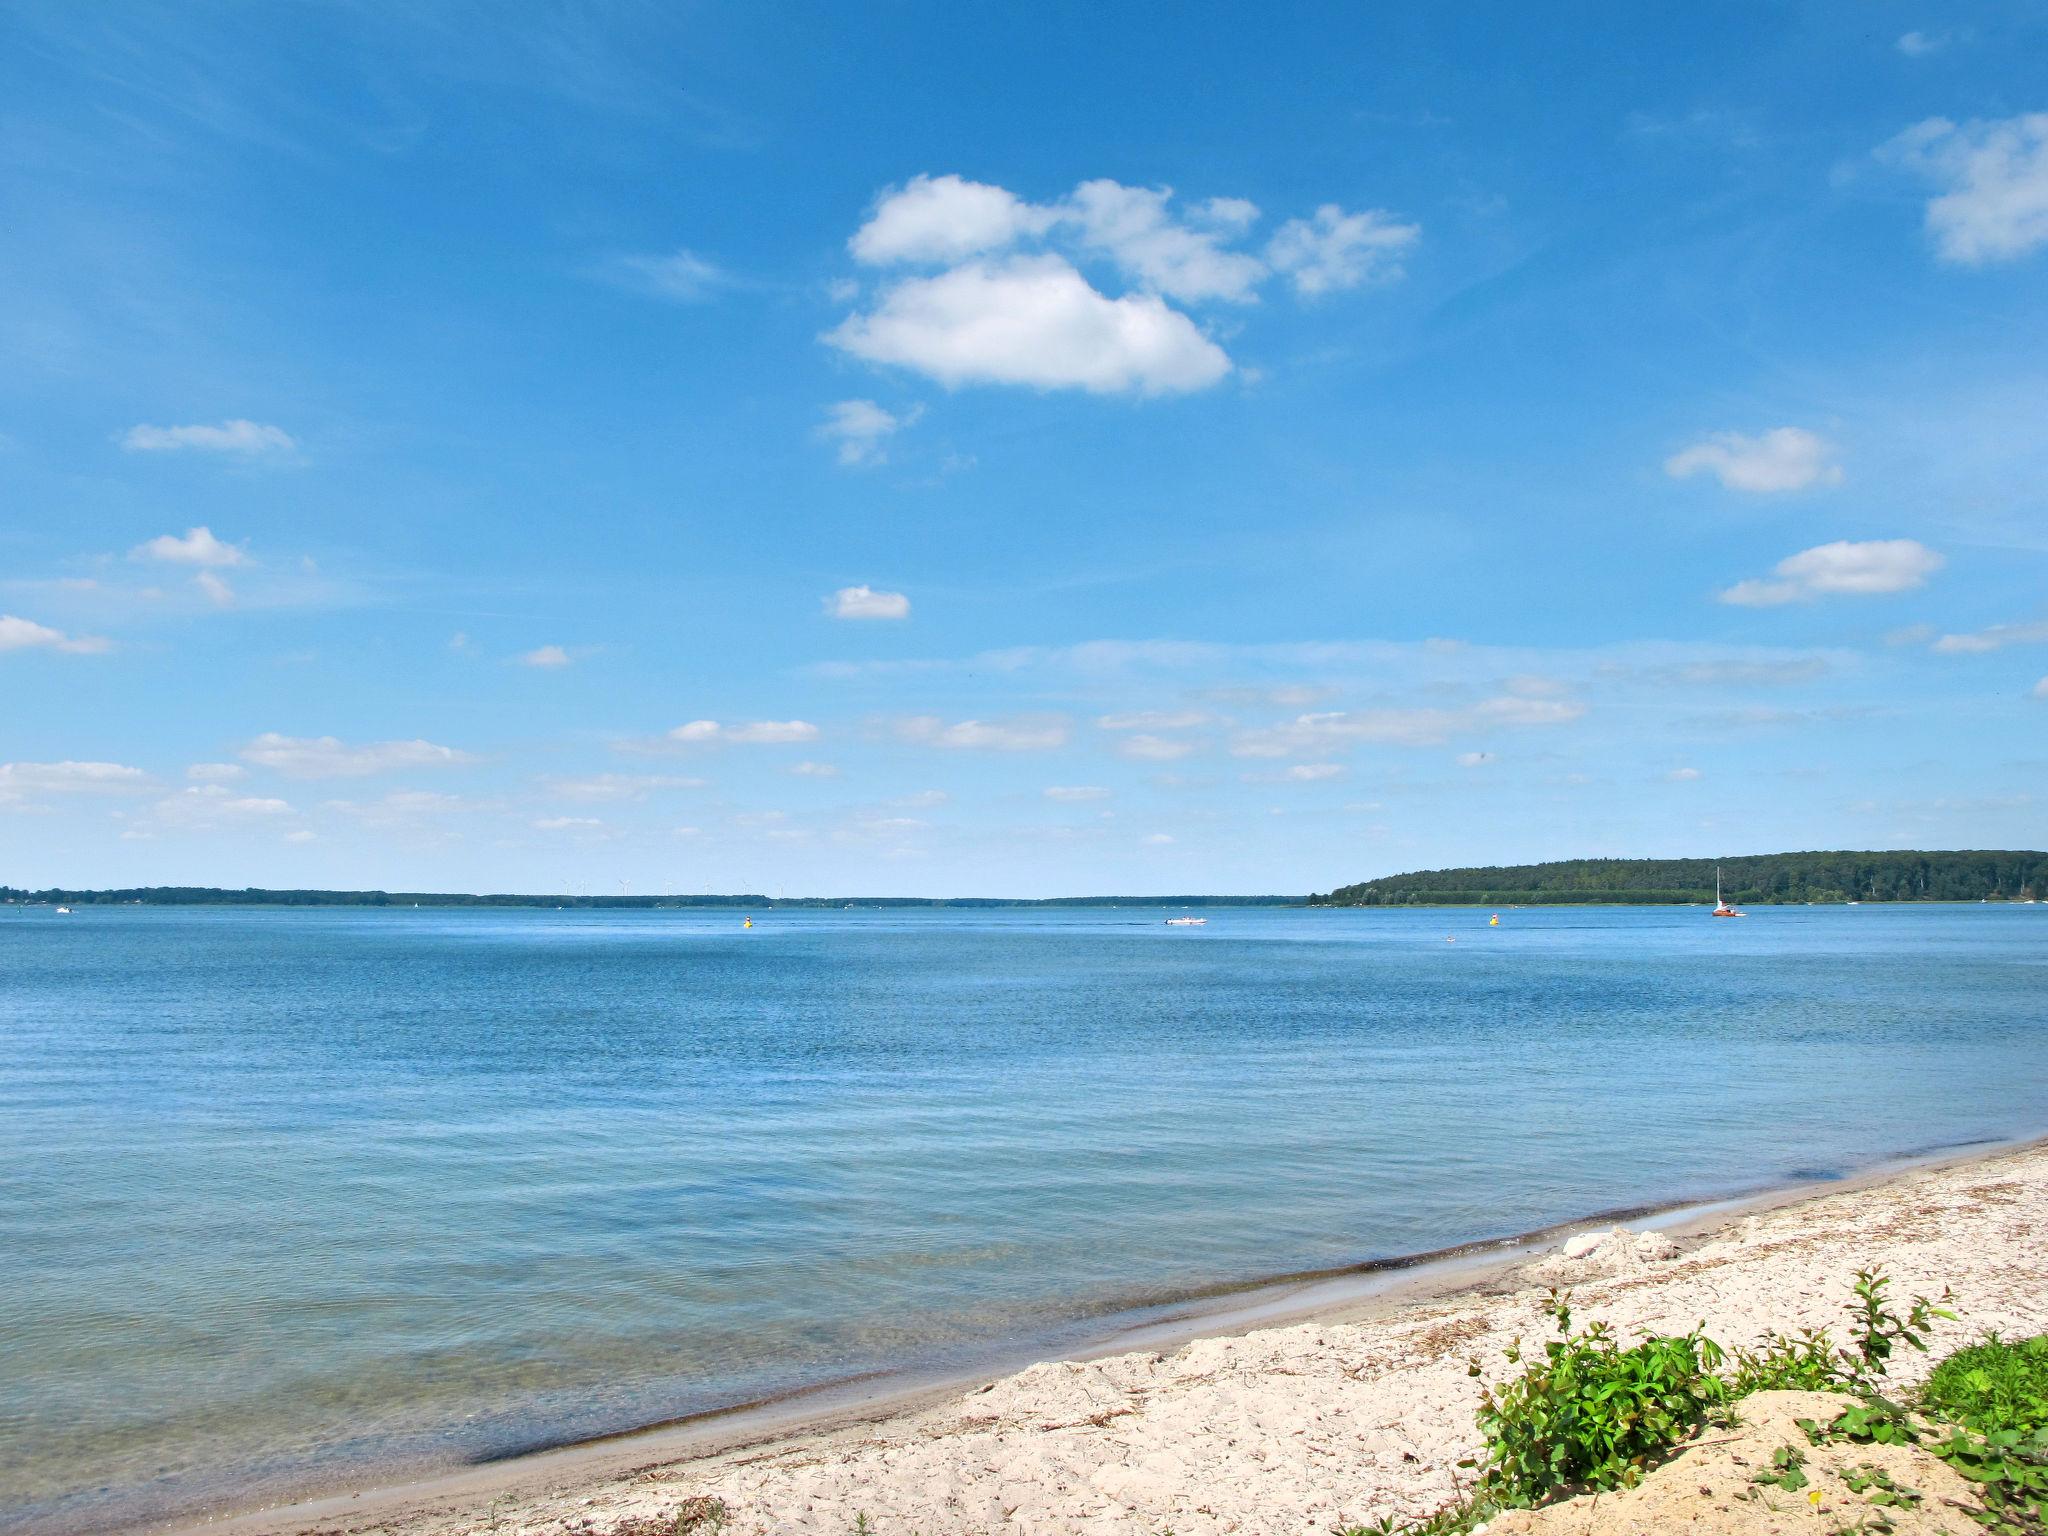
(212,896)
(1967,875)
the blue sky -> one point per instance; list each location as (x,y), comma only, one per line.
(1049,449)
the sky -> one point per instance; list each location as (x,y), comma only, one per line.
(1014,450)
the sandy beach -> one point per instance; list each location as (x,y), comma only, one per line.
(1359,1411)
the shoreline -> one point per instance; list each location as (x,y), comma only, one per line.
(1374,1292)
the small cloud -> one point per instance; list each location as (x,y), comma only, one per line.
(943,219)
(1154,749)
(1996,638)
(197,547)
(216,589)
(301,835)
(248,439)
(1512,710)
(749,733)
(2040,690)
(547,656)
(616,786)
(1872,568)
(811,770)
(1023,733)
(1074,794)
(1917,45)
(1153,720)
(460,641)
(216,773)
(1474,759)
(1311,773)
(1158,839)
(1682,775)
(1993,176)
(568,823)
(865,602)
(328,757)
(681,277)
(71,778)
(862,429)
(1032,320)
(1782,459)
(1336,250)
(919,799)
(18,634)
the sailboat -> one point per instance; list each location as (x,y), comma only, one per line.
(1721,907)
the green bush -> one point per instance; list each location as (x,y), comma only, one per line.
(1591,1413)
(1993,1385)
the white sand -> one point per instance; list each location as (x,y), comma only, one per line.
(1287,1429)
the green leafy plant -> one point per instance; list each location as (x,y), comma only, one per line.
(1788,1469)
(1998,1384)
(1591,1413)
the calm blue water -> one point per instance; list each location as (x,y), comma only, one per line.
(285,1196)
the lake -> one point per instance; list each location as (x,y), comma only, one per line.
(289,1197)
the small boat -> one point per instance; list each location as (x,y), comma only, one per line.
(1186,922)
(1721,907)
(63,911)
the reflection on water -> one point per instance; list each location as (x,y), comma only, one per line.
(286,1195)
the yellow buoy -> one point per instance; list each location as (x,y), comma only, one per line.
(1493,921)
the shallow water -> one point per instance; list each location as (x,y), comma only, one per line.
(289,1195)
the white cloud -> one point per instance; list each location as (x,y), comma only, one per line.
(216,773)
(18,634)
(943,219)
(1996,638)
(205,805)
(1023,733)
(865,602)
(1154,720)
(1782,459)
(1995,175)
(1421,727)
(617,786)
(567,823)
(71,778)
(1337,250)
(861,428)
(1148,748)
(1871,568)
(215,588)
(545,656)
(1682,775)
(682,276)
(250,439)
(1010,305)
(1034,321)
(1159,839)
(1310,773)
(414,809)
(1074,794)
(328,757)
(772,732)
(1514,710)
(1915,45)
(750,733)
(1131,225)
(1474,759)
(811,770)
(2041,689)
(197,547)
